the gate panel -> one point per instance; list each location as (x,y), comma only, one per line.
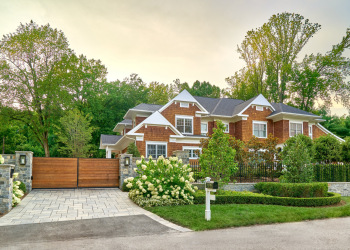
(98,172)
(54,172)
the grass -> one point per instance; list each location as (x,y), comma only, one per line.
(237,215)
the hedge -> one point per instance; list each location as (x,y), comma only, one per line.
(332,172)
(297,190)
(232,197)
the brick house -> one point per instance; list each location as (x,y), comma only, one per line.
(185,120)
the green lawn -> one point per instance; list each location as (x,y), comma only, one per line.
(236,215)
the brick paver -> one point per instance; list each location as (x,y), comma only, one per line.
(76,204)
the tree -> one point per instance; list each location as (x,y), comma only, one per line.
(345,148)
(297,160)
(290,145)
(158,93)
(217,159)
(132,149)
(34,77)
(270,51)
(74,133)
(327,149)
(204,89)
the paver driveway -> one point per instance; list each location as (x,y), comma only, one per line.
(76,204)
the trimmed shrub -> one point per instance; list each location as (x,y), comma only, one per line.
(298,190)
(232,197)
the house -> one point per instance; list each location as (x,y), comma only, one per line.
(185,120)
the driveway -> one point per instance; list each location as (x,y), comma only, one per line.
(54,205)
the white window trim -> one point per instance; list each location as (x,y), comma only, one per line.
(259,122)
(311,132)
(157,143)
(228,127)
(184,117)
(204,132)
(259,108)
(184,105)
(296,122)
(192,148)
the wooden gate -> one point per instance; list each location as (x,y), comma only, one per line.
(75,172)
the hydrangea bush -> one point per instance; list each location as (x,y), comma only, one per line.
(161,182)
(17,193)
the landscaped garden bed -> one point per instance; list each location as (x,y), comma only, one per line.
(237,215)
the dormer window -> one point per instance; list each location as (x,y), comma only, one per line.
(184,104)
(184,124)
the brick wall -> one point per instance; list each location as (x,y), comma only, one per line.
(255,115)
(316,132)
(175,109)
(139,119)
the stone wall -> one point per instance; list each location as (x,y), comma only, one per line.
(6,187)
(342,188)
(126,171)
(233,187)
(9,159)
(25,171)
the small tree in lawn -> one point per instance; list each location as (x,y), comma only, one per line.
(217,159)
(297,159)
(75,134)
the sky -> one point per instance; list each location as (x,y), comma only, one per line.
(163,40)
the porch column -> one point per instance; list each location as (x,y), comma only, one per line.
(108,153)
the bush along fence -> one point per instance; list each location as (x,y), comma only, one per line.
(248,173)
(339,172)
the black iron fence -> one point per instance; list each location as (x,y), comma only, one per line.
(261,172)
(270,172)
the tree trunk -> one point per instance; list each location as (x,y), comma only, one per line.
(46,145)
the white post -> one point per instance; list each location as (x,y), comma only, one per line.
(108,153)
(207,205)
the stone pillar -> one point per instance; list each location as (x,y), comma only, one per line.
(6,187)
(126,171)
(25,171)
(183,155)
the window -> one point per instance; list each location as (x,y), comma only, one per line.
(184,104)
(310,131)
(227,128)
(204,128)
(193,152)
(260,108)
(156,149)
(260,129)
(295,128)
(184,124)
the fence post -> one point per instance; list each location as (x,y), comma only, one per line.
(25,170)
(125,171)
(6,187)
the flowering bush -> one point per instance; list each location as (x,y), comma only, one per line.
(2,160)
(161,182)
(17,192)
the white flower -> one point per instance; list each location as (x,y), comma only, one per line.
(180,161)
(150,157)
(138,162)
(144,167)
(2,160)
(182,179)
(195,188)
(15,175)
(144,177)
(135,169)
(142,157)
(129,185)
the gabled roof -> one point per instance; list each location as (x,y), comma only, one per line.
(110,139)
(147,107)
(126,122)
(155,119)
(283,108)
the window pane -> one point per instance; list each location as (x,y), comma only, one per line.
(161,150)
(151,150)
(188,126)
(204,127)
(180,125)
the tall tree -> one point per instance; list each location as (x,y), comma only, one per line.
(158,93)
(269,52)
(34,82)
(198,88)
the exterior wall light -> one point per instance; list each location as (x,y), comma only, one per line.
(127,161)
(22,159)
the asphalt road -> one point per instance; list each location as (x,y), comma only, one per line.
(140,232)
